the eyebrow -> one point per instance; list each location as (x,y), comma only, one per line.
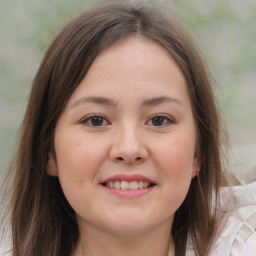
(94,99)
(160,100)
(106,101)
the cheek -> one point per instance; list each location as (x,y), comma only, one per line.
(175,158)
(78,156)
(78,161)
(176,155)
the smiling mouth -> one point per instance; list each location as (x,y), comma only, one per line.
(128,185)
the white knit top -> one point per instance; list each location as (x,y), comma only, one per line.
(238,238)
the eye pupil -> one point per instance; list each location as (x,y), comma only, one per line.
(97,121)
(158,121)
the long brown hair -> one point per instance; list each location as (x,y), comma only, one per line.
(42,221)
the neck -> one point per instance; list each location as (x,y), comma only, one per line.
(97,243)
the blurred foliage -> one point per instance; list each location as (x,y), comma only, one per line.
(225,31)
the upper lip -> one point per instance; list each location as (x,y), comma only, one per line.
(125,177)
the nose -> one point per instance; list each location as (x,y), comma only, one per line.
(128,146)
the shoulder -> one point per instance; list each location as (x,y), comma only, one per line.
(238,237)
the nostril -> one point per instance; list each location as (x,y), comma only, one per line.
(129,159)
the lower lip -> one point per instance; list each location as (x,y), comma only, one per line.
(129,192)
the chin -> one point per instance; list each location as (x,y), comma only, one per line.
(128,226)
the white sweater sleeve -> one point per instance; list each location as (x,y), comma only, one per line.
(239,235)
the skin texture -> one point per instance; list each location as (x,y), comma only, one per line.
(130,73)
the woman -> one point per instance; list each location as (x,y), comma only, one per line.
(121,147)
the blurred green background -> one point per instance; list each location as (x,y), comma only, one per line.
(224,30)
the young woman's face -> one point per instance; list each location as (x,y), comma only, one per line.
(125,142)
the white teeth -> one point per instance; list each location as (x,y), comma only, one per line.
(145,184)
(134,185)
(125,185)
(141,184)
(111,184)
(128,185)
(117,184)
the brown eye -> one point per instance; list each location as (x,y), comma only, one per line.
(160,121)
(95,120)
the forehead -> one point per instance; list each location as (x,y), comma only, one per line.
(133,52)
(132,65)
(134,59)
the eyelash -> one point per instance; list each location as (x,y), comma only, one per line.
(167,120)
(90,118)
(88,121)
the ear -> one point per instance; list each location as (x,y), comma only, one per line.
(196,167)
(51,166)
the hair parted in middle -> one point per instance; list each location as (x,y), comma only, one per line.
(43,223)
